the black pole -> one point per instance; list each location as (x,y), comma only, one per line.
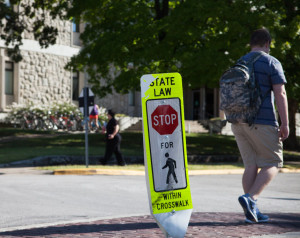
(86,116)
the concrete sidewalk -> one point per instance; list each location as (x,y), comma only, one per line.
(204,225)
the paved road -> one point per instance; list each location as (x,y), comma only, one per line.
(202,225)
(34,200)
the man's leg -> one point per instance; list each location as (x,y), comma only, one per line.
(119,156)
(90,124)
(249,177)
(117,150)
(253,190)
(263,178)
(97,123)
(108,153)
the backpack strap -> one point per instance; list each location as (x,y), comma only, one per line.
(255,56)
(254,83)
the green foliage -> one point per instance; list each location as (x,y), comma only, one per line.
(199,39)
(286,47)
(125,39)
(15,21)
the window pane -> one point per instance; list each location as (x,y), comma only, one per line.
(9,82)
(131,98)
(75,27)
(9,78)
(9,65)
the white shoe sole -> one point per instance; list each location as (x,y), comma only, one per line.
(259,221)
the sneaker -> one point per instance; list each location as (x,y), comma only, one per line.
(249,207)
(260,217)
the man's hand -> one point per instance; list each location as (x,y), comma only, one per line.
(284,132)
(282,107)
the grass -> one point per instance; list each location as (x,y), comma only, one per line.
(60,143)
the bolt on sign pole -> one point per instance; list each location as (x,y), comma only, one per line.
(165,152)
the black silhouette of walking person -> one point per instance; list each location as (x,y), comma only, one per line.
(172,166)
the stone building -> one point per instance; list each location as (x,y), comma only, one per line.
(40,78)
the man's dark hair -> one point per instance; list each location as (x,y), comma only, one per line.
(260,37)
(111,112)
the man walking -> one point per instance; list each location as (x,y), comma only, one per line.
(260,145)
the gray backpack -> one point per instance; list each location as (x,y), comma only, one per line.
(240,92)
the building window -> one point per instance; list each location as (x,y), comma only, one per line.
(75,93)
(131,98)
(76,33)
(9,78)
(75,26)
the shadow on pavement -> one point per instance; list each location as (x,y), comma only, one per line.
(80,229)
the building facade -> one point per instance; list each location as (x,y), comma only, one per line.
(40,78)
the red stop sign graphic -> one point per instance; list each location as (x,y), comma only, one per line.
(164,119)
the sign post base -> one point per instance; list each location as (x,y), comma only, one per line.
(174,224)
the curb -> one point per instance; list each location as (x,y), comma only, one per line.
(87,171)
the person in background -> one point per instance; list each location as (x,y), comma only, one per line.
(113,140)
(94,117)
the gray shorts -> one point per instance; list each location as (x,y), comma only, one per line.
(258,144)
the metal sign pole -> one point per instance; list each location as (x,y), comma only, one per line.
(86,105)
(86,126)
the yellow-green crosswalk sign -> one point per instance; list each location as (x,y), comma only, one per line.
(165,150)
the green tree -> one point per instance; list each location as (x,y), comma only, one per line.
(285,15)
(124,39)
(14,21)
(199,39)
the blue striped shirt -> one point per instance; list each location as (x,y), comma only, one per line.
(268,71)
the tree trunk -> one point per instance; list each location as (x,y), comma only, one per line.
(162,10)
(292,143)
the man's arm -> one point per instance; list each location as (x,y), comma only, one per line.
(116,129)
(282,106)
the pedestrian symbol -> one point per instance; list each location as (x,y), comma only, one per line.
(171,164)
